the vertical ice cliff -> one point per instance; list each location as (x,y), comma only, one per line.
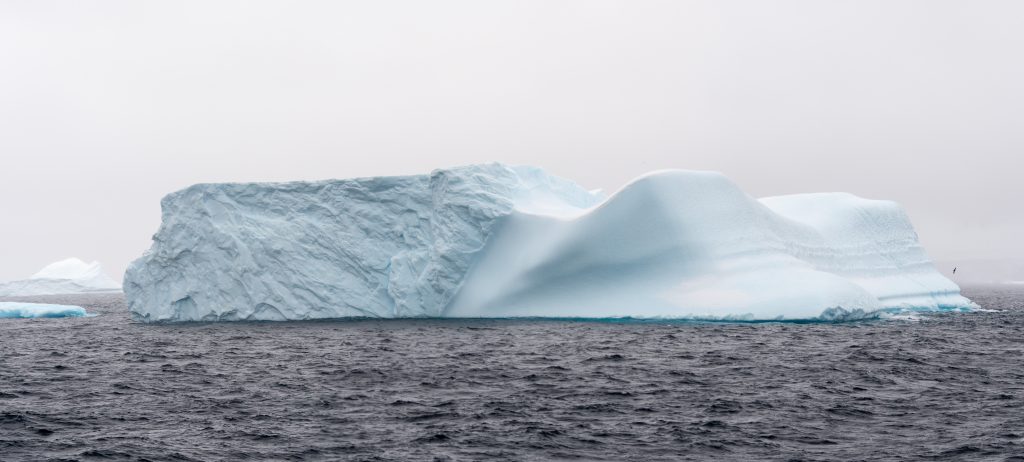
(382,247)
(494,241)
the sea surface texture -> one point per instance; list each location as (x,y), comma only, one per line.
(946,386)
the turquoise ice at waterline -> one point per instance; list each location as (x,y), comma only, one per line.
(39,310)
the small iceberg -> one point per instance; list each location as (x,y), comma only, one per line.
(70,276)
(39,310)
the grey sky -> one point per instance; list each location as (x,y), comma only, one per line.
(106,106)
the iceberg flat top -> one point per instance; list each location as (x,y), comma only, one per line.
(500,241)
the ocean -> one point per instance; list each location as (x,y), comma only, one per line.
(946,386)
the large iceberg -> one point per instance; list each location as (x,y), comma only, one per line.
(70,276)
(502,241)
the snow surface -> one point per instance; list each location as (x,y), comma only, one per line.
(39,310)
(500,241)
(70,276)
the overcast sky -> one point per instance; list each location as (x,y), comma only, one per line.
(107,106)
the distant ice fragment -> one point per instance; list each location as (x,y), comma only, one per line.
(39,310)
(70,276)
(501,241)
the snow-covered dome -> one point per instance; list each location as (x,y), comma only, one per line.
(78,270)
(69,276)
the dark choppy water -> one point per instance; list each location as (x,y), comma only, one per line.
(947,387)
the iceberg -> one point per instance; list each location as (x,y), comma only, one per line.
(39,310)
(512,241)
(70,276)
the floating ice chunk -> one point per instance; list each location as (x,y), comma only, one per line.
(500,241)
(39,310)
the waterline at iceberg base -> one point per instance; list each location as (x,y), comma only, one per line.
(508,241)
